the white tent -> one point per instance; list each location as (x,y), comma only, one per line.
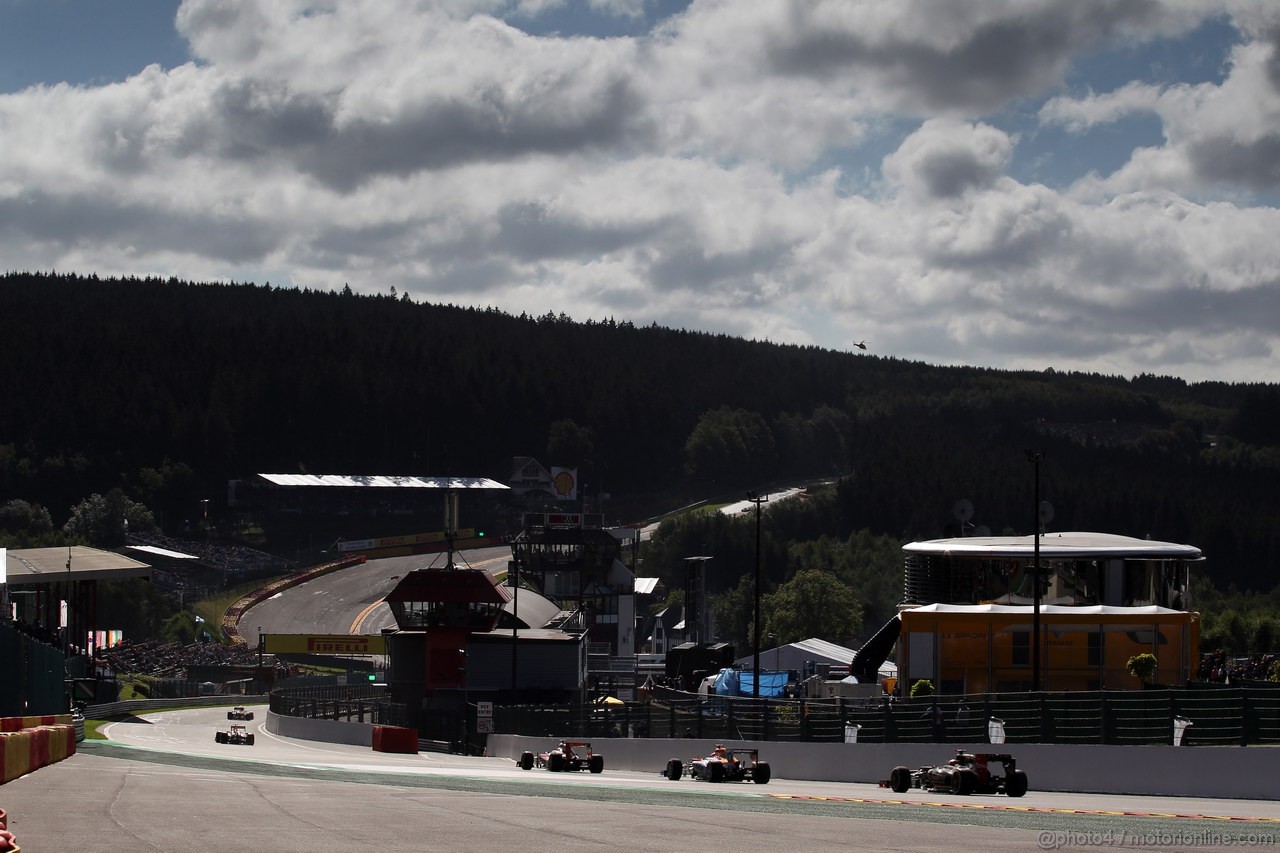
(794,657)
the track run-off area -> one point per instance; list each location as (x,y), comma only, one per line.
(160,782)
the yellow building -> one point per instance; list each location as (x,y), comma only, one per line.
(971,606)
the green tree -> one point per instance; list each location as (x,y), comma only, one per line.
(730,446)
(26,525)
(102,521)
(1264,635)
(1142,667)
(814,603)
(731,612)
(569,445)
(135,606)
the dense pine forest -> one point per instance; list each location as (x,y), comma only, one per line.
(165,390)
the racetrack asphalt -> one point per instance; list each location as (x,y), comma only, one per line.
(162,784)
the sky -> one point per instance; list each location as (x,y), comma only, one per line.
(1089,186)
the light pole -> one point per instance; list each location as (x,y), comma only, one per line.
(1034,456)
(755,643)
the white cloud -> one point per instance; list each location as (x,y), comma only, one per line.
(697,177)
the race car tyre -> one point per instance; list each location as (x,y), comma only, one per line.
(555,762)
(715,771)
(220,737)
(249,716)
(526,761)
(248,739)
(900,780)
(675,769)
(761,774)
(966,782)
(230,715)
(1016,784)
(596,763)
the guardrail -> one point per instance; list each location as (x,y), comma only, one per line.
(111,709)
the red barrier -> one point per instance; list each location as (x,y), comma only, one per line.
(17,755)
(39,748)
(395,739)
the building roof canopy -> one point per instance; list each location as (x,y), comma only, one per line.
(449,585)
(382,482)
(1069,545)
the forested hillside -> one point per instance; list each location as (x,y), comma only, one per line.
(167,389)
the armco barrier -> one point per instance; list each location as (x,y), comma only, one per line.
(111,709)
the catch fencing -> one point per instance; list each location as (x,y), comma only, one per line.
(1200,715)
(359,703)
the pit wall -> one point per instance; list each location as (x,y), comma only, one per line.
(1229,772)
(29,743)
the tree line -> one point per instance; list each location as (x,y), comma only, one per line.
(166,389)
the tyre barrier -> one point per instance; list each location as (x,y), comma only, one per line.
(24,750)
(395,739)
(8,844)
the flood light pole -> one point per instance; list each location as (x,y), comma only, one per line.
(755,643)
(1034,456)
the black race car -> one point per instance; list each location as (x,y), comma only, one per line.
(967,773)
(239,713)
(724,764)
(235,734)
(569,755)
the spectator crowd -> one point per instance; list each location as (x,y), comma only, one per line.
(171,660)
(1220,668)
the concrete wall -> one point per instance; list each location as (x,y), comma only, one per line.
(328,731)
(1203,771)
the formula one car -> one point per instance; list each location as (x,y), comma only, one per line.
(239,713)
(722,765)
(967,773)
(569,755)
(236,734)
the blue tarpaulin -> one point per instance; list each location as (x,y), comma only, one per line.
(771,683)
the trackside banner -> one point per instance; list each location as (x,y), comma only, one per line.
(325,644)
(402,541)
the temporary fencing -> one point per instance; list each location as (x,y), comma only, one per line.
(1195,715)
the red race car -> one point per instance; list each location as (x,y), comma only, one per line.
(724,764)
(569,755)
(967,773)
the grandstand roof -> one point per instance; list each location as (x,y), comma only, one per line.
(38,566)
(382,482)
(163,552)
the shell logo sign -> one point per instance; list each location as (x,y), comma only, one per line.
(564,482)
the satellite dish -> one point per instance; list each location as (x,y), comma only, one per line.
(1046,513)
(963,510)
